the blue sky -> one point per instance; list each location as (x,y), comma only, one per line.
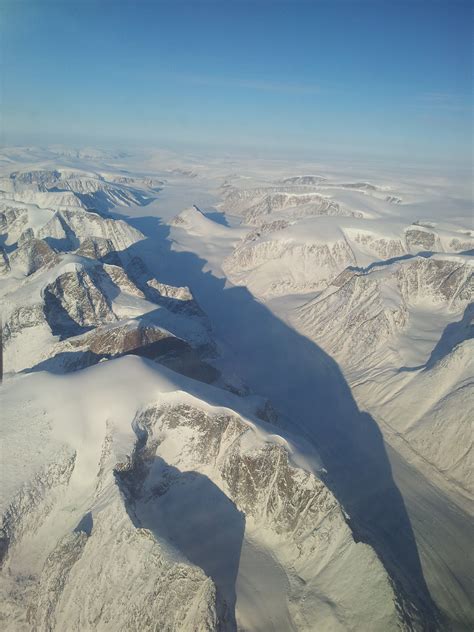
(382,77)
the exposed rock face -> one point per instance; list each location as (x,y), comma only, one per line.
(381,247)
(41,177)
(271,262)
(306,180)
(301,205)
(297,509)
(108,341)
(460,244)
(329,256)
(353,321)
(238,201)
(364,186)
(13,221)
(57,232)
(87,224)
(145,588)
(44,199)
(265,228)
(121,280)
(440,393)
(32,255)
(75,301)
(4,262)
(67,188)
(149,583)
(152,183)
(64,229)
(298,501)
(73,294)
(163,504)
(99,248)
(369,308)
(112,341)
(440,280)
(169,291)
(176,299)
(297,197)
(87,294)
(22,318)
(163,511)
(418,238)
(35,500)
(291,198)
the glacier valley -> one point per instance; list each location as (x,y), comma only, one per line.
(237,395)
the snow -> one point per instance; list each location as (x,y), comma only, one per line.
(254,284)
(262,588)
(80,425)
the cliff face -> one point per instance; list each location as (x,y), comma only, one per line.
(170,504)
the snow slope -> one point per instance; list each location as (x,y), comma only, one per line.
(121,467)
(148,493)
(207,509)
(410,317)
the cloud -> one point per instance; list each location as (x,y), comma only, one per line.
(262,85)
(443,101)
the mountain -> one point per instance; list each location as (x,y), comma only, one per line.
(382,308)
(304,237)
(395,311)
(65,188)
(377,323)
(207,419)
(175,491)
(165,484)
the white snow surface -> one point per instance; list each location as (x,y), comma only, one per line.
(338,294)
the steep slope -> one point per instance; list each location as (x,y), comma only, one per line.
(365,311)
(286,255)
(61,229)
(401,332)
(317,192)
(51,293)
(75,295)
(431,474)
(150,494)
(65,188)
(160,492)
(431,408)
(281,257)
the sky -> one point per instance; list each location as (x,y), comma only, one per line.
(388,78)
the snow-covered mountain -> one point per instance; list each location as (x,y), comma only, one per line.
(383,286)
(63,229)
(65,188)
(148,481)
(78,299)
(305,237)
(382,326)
(166,492)
(380,309)
(388,293)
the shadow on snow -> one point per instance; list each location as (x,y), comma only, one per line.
(310,392)
(308,389)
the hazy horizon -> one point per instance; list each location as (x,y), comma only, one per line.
(373,79)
